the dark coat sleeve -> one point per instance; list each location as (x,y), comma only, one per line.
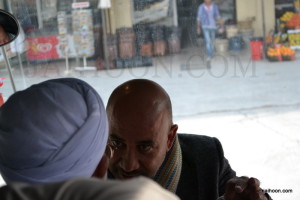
(205,170)
(225,172)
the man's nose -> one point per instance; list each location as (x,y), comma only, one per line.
(129,161)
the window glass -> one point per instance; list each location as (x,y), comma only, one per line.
(246,94)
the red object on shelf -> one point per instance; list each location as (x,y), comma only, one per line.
(1,82)
(42,48)
(1,97)
(1,100)
(256,49)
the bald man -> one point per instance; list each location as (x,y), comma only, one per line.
(56,131)
(146,143)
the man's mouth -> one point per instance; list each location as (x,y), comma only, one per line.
(126,175)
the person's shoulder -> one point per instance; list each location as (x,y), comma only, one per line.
(215,5)
(201,5)
(196,148)
(195,138)
(141,188)
(88,188)
(198,142)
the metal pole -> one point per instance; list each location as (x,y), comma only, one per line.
(39,13)
(67,59)
(175,14)
(103,16)
(263,21)
(22,69)
(8,68)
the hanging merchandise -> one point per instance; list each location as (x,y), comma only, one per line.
(62,31)
(287,16)
(83,32)
(280,53)
(1,96)
(297,5)
(294,22)
(294,38)
(104,4)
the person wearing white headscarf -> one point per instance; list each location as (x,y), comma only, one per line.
(56,131)
(89,189)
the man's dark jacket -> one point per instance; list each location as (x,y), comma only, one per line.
(205,170)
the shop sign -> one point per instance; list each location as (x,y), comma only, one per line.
(50,47)
(81,5)
(42,48)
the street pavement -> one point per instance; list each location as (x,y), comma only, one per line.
(252,107)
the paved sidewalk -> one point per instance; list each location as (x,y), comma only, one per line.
(262,143)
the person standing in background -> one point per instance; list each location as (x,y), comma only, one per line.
(208,16)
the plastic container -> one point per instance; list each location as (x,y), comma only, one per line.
(231,31)
(247,34)
(221,46)
(256,45)
(236,44)
(247,24)
(159,48)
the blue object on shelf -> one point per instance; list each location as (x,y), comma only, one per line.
(236,43)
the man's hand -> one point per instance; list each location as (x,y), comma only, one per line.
(243,188)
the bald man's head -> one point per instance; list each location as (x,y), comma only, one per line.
(141,129)
(140,96)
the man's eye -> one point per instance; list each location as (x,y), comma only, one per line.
(116,144)
(145,148)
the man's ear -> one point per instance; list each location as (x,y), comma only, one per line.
(172,135)
(102,167)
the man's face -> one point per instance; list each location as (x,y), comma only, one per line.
(3,36)
(140,143)
(207,1)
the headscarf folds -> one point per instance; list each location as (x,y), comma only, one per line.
(52,131)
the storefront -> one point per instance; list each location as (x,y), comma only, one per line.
(136,31)
(285,38)
(58,29)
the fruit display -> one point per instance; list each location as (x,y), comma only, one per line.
(280,53)
(287,53)
(294,22)
(273,54)
(269,39)
(280,38)
(287,16)
(294,38)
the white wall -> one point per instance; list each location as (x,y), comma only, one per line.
(247,9)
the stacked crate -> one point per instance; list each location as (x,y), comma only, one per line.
(126,38)
(137,45)
(173,36)
(112,46)
(143,40)
(159,42)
